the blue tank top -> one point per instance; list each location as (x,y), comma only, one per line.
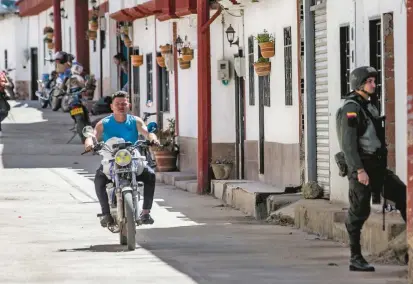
(126,130)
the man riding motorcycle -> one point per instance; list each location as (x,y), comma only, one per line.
(123,125)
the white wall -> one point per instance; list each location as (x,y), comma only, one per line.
(281,121)
(342,12)
(8,42)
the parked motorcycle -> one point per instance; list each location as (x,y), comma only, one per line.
(44,90)
(122,163)
(9,87)
(59,90)
(79,113)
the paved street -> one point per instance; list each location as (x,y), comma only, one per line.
(50,233)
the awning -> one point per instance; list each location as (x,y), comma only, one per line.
(140,11)
(33,7)
(185,7)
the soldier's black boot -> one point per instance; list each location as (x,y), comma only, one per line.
(357,261)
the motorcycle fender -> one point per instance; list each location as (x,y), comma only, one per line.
(127,189)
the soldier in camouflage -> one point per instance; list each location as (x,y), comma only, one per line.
(362,141)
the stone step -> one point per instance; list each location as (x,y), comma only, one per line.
(327,220)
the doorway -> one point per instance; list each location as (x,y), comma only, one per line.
(34,71)
(239,122)
(163,101)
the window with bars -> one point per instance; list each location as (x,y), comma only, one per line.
(6,59)
(376,59)
(149,82)
(264,86)
(345,60)
(288,67)
(251,73)
(136,76)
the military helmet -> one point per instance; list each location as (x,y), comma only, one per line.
(359,76)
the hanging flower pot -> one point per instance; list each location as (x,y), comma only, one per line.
(50,45)
(267,49)
(184,64)
(266,43)
(137,60)
(161,61)
(262,67)
(187,54)
(165,49)
(93,26)
(48,31)
(92,35)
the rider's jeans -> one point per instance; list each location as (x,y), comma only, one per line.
(147,177)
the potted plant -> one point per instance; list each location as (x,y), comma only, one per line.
(137,60)
(262,67)
(49,43)
(48,32)
(184,64)
(222,168)
(93,23)
(166,154)
(187,53)
(266,43)
(160,60)
(92,35)
(165,49)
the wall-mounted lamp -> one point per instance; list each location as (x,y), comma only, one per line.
(179,44)
(231,35)
(63,14)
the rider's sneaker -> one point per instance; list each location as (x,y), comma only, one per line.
(105,220)
(147,219)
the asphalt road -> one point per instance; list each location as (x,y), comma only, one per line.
(50,233)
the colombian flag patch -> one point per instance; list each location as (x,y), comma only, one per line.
(351,115)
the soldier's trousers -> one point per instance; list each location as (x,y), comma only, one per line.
(360,195)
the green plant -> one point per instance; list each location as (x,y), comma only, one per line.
(222,161)
(265,37)
(263,60)
(167,138)
(48,30)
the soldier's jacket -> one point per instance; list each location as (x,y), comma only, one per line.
(358,132)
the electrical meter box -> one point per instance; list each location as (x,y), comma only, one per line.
(223,70)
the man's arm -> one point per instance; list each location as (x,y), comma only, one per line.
(141,127)
(350,123)
(97,132)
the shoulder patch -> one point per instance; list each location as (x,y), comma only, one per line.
(351,114)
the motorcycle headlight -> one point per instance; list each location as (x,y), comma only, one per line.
(123,158)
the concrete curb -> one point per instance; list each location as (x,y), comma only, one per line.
(327,220)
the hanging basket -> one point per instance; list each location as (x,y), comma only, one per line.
(161,61)
(165,49)
(267,49)
(92,35)
(262,68)
(184,64)
(93,26)
(137,60)
(50,45)
(49,35)
(187,54)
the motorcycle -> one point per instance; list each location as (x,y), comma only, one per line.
(90,86)
(122,163)
(59,91)
(44,93)
(79,113)
(9,87)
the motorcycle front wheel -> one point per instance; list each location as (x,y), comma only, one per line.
(56,103)
(130,220)
(80,124)
(65,103)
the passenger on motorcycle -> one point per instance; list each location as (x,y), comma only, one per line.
(76,81)
(123,125)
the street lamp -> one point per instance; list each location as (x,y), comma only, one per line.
(178,44)
(231,35)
